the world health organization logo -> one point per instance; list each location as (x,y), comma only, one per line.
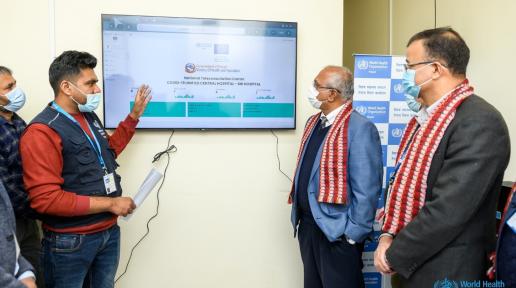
(396,132)
(362,65)
(398,88)
(190,68)
(361,109)
(445,284)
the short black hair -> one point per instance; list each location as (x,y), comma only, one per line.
(447,45)
(5,70)
(69,64)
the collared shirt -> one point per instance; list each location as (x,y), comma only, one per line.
(11,172)
(426,112)
(330,118)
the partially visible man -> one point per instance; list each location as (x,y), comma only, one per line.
(15,271)
(69,171)
(12,99)
(337,184)
(441,203)
(506,252)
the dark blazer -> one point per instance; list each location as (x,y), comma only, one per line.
(455,230)
(7,245)
(511,210)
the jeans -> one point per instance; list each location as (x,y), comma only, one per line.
(81,260)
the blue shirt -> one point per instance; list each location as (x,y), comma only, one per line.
(11,172)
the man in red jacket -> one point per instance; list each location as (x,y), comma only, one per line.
(70,175)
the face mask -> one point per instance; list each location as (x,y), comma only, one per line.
(92,101)
(409,83)
(412,103)
(16,100)
(312,97)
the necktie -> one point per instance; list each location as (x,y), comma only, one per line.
(324,122)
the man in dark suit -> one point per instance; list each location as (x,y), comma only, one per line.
(15,271)
(337,184)
(506,252)
(440,211)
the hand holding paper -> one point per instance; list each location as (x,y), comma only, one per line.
(148,184)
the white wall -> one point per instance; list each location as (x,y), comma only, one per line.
(223,221)
(488,29)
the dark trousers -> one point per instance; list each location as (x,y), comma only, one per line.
(327,264)
(29,239)
(506,266)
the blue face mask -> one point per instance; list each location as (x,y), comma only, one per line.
(412,89)
(412,103)
(92,101)
(16,100)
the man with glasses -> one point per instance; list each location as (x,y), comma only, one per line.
(440,212)
(337,184)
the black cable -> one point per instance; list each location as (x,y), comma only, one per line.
(170,149)
(277,156)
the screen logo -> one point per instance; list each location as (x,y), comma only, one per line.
(190,68)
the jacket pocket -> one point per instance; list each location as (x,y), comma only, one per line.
(87,160)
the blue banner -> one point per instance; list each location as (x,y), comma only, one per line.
(379,97)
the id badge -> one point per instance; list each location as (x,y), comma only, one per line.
(109,183)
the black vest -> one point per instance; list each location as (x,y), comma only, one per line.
(82,171)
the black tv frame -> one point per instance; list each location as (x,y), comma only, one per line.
(200,128)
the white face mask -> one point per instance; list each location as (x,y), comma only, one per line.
(312,97)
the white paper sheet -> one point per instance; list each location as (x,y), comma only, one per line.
(148,184)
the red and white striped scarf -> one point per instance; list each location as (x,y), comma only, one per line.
(334,158)
(407,193)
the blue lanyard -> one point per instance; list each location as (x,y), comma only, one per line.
(95,146)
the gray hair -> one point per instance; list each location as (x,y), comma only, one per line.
(341,79)
(5,70)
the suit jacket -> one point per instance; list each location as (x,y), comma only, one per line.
(8,245)
(364,185)
(511,210)
(454,232)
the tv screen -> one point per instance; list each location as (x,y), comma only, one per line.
(204,73)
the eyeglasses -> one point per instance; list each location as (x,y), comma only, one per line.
(409,66)
(318,87)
